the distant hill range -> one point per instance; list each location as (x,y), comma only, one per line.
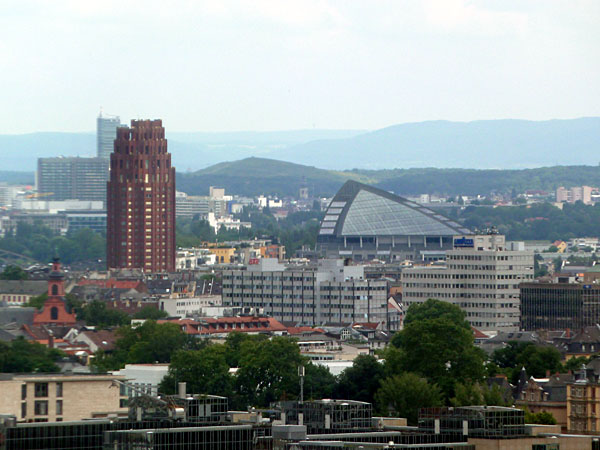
(253,176)
(485,144)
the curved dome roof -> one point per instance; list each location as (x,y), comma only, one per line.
(361,210)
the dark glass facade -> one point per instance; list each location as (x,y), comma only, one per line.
(558,306)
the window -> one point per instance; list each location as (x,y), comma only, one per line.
(41,407)
(23,392)
(23,410)
(54,289)
(54,313)
(59,388)
(59,407)
(41,389)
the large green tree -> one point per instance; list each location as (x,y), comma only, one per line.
(437,343)
(268,371)
(21,355)
(148,343)
(205,371)
(13,273)
(361,381)
(536,359)
(403,396)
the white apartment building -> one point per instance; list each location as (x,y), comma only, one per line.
(184,307)
(481,276)
(144,378)
(332,293)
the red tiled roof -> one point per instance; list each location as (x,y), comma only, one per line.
(478,334)
(228,325)
(304,330)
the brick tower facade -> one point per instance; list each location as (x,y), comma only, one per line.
(54,311)
(141,200)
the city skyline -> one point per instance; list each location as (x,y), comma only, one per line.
(332,65)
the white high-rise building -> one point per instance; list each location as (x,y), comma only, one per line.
(481,275)
(106,133)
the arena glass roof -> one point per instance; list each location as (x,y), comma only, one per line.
(361,210)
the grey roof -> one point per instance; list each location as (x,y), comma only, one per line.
(361,210)
(16,315)
(23,287)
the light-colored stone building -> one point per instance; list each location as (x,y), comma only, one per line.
(481,275)
(332,293)
(58,397)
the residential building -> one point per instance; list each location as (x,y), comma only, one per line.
(331,293)
(106,133)
(7,195)
(94,220)
(583,403)
(58,223)
(66,178)
(366,223)
(481,275)
(585,242)
(144,378)
(192,258)
(60,397)
(226,221)
(225,255)
(184,307)
(18,292)
(575,194)
(558,306)
(191,206)
(141,200)
(547,394)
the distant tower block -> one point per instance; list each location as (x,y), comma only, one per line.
(303,193)
(141,200)
(106,132)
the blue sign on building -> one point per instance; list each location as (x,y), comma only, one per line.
(464,243)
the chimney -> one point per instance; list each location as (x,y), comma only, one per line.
(182,390)
(50,340)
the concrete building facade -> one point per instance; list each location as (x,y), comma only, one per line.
(141,200)
(331,293)
(67,178)
(58,398)
(481,275)
(106,133)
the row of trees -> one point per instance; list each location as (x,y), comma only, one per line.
(540,221)
(42,244)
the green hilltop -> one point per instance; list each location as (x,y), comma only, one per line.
(254,176)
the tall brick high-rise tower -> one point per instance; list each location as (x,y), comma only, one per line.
(141,200)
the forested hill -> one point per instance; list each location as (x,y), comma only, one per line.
(253,176)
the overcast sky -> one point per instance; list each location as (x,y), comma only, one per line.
(222,65)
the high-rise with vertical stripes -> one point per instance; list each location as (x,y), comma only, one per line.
(141,200)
